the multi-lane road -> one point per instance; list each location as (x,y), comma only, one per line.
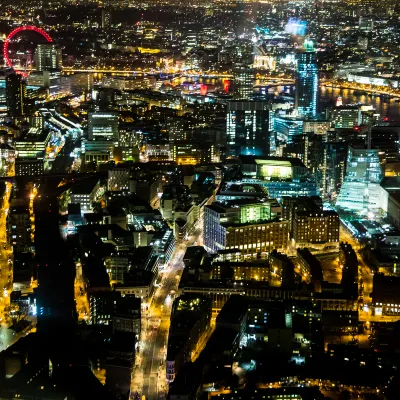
(149,377)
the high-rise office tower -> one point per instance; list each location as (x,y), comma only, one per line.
(243,79)
(48,56)
(306,101)
(15,95)
(247,128)
(105,18)
(361,190)
(347,116)
(103,126)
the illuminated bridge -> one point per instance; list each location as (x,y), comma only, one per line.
(139,72)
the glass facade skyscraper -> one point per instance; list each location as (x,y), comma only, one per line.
(361,189)
(287,127)
(307,83)
(247,128)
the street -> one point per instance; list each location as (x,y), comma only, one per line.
(7,336)
(149,377)
(365,273)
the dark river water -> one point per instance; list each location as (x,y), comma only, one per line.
(387,108)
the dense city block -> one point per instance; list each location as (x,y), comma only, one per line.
(200,200)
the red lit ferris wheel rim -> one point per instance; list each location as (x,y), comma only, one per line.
(15,32)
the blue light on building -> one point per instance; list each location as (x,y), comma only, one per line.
(247,128)
(307,82)
(286,127)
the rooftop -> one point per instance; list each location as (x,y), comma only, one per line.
(84,186)
(294,162)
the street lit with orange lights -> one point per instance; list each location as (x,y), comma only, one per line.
(5,270)
(149,377)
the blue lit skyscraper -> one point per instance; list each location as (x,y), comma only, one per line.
(307,82)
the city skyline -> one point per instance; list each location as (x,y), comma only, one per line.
(199,200)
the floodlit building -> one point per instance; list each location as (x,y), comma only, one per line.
(309,223)
(85,192)
(118,179)
(361,189)
(272,168)
(244,225)
(281,176)
(33,143)
(386,295)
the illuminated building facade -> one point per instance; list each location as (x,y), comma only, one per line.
(15,95)
(386,295)
(237,190)
(227,227)
(258,238)
(105,18)
(278,189)
(361,190)
(243,78)
(103,126)
(118,179)
(247,128)
(158,151)
(317,127)
(318,227)
(18,226)
(306,101)
(272,168)
(242,271)
(264,62)
(85,193)
(30,166)
(48,56)
(32,144)
(192,153)
(287,127)
(280,176)
(346,116)
(30,152)
(309,223)
(7,156)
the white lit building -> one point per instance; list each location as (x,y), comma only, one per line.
(361,190)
